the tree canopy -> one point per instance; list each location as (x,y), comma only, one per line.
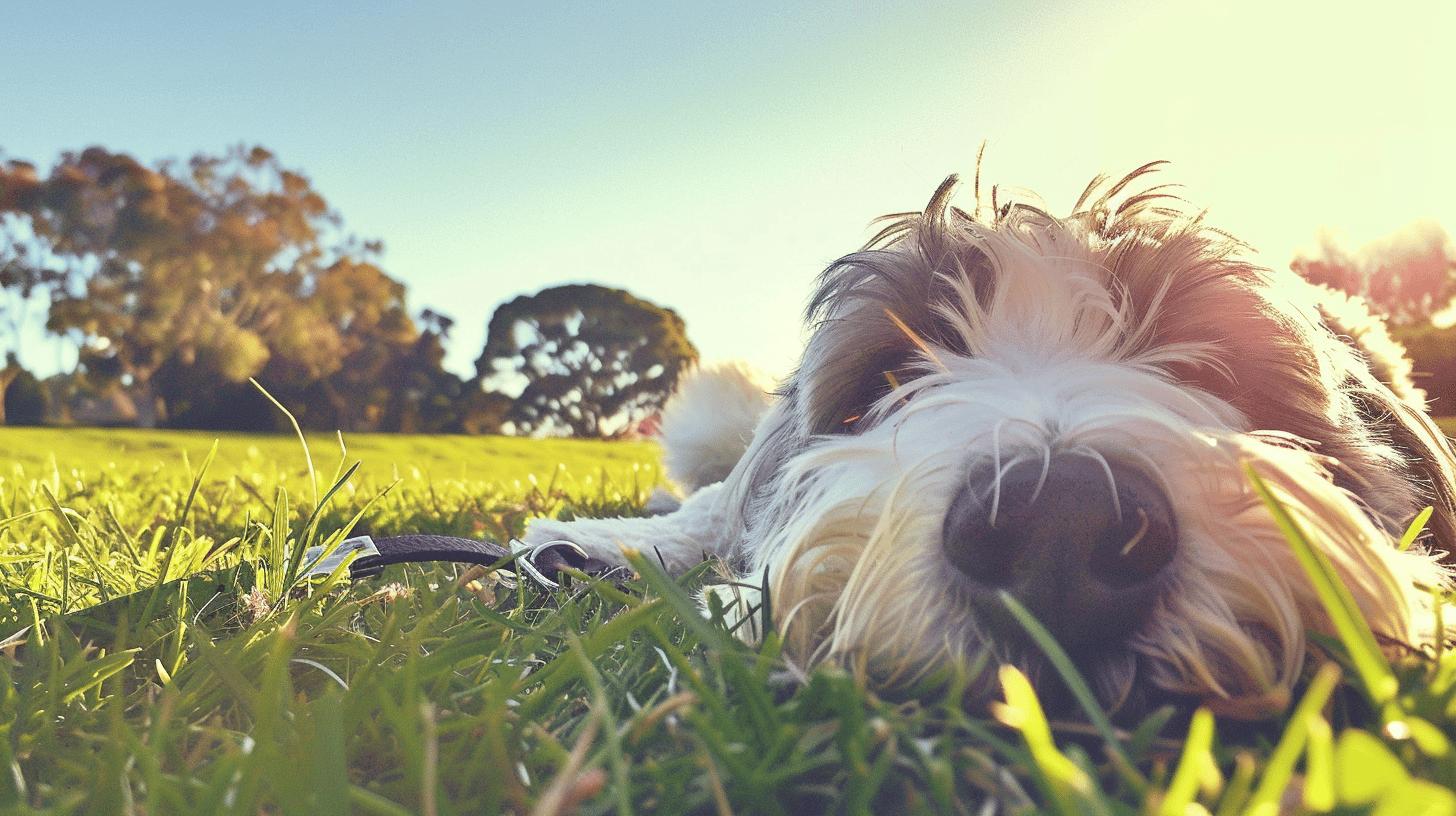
(1409,275)
(587,360)
(181,281)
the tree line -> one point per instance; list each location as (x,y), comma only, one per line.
(179,282)
(1409,276)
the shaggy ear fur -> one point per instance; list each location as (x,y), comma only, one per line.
(1388,402)
(1430,456)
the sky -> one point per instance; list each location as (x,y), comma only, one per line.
(715,157)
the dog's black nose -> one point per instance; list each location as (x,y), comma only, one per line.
(1082,543)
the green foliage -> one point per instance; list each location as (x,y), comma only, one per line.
(185,280)
(1409,274)
(592,360)
(420,692)
(1432,352)
(23,400)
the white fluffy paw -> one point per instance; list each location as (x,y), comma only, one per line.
(588,535)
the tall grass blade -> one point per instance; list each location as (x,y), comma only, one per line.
(298,431)
(1070,789)
(1067,670)
(1279,772)
(1354,632)
(1415,529)
(1197,757)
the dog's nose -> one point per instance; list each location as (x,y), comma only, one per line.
(1082,542)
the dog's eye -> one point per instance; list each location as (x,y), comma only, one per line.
(874,387)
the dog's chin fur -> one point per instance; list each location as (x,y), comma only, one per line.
(1126,333)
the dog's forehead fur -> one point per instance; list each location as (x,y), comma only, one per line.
(1142,281)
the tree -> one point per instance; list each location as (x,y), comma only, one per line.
(186,280)
(334,357)
(9,373)
(587,360)
(423,396)
(1409,275)
(23,399)
(186,266)
(22,278)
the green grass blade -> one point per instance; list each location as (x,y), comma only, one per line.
(298,431)
(1279,772)
(1071,790)
(1067,670)
(1354,632)
(1197,756)
(1415,529)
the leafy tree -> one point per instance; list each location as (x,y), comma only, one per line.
(9,373)
(1409,275)
(196,265)
(481,412)
(22,278)
(186,279)
(23,399)
(587,360)
(332,360)
(424,397)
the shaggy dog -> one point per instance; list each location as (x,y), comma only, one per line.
(1062,409)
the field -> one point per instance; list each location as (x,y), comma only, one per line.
(428,691)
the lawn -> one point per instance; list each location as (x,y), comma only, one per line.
(440,691)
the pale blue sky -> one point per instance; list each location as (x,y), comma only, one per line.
(714,158)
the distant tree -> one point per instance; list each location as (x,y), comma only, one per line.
(423,397)
(482,412)
(365,310)
(184,280)
(23,401)
(8,374)
(1432,352)
(1409,275)
(332,358)
(194,266)
(23,277)
(587,360)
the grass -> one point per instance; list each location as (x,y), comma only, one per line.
(435,692)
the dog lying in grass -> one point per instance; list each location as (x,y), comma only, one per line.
(1063,411)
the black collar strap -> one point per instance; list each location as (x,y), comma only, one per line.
(542,562)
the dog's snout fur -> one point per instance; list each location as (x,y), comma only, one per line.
(1082,542)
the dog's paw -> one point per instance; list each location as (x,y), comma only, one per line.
(589,535)
(542,532)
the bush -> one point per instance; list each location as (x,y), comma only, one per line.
(1433,355)
(26,401)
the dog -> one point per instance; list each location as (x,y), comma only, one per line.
(1062,410)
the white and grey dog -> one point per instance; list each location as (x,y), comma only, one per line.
(1061,409)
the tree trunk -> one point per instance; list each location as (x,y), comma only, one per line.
(151,411)
(7,376)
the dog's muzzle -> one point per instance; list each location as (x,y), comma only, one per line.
(1081,543)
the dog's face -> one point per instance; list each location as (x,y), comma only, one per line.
(1062,410)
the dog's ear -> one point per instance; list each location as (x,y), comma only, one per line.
(1394,410)
(1428,457)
